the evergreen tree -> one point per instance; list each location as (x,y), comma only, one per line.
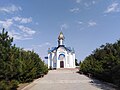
(76,62)
(104,63)
(17,65)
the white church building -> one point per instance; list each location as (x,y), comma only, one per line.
(61,56)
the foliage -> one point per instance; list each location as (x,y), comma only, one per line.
(104,63)
(76,62)
(17,65)
(11,85)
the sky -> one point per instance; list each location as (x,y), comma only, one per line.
(36,24)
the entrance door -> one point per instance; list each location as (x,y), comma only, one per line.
(61,64)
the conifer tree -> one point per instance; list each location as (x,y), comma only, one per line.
(17,65)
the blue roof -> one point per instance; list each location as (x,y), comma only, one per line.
(67,48)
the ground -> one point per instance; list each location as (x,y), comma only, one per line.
(67,80)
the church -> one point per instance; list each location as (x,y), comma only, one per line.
(61,56)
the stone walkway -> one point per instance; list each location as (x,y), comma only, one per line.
(66,80)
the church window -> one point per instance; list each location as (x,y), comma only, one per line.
(61,57)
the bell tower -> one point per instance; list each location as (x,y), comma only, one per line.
(61,39)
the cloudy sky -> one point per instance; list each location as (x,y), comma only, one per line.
(36,24)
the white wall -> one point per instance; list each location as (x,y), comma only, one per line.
(54,59)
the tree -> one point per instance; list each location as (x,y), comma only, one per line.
(17,65)
(104,63)
(76,62)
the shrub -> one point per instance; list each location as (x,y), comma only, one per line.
(17,65)
(104,63)
(8,85)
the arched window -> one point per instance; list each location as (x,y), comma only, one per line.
(61,57)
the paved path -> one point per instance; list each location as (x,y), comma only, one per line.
(66,80)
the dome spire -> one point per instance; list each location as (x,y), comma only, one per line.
(61,36)
(61,39)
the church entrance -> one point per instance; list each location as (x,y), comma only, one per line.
(61,64)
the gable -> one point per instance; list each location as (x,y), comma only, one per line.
(61,49)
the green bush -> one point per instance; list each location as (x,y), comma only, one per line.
(116,75)
(17,65)
(4,85)
(104,63)
(14,84)
(8,85)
